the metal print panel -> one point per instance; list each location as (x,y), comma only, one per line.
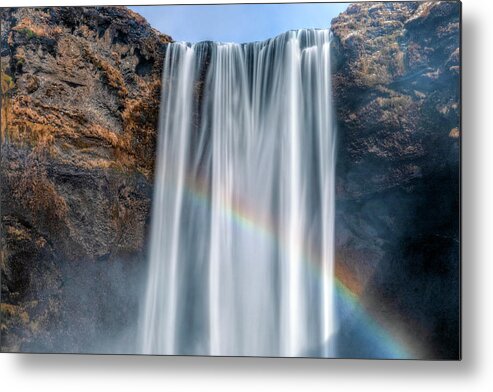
(176,181)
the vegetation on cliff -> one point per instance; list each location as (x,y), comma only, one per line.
(80,103)
(397,89)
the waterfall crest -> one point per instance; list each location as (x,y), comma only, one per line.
(241,258)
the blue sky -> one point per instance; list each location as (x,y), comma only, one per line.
(237,22)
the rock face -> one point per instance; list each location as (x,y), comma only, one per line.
(80,104)
(397,87)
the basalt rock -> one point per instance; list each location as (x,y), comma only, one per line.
(80,104)
(397,87)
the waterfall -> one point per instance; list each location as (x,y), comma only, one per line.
(241,258)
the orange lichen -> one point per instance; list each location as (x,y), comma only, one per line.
(112,75)
(37,28)
(41,126)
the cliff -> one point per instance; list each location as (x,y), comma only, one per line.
(397,89)
(81,89)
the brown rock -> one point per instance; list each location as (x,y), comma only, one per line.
(81,89)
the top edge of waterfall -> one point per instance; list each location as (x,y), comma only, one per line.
(266,41)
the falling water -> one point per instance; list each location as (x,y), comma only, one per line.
(241,259)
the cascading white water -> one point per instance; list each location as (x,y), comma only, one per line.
(241,259)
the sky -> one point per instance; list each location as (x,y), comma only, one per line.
(237,22)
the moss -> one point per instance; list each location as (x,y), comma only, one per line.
(28,33)
(32,29)
(18,234)
(20,61)
(7,83)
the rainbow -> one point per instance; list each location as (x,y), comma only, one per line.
(348,289)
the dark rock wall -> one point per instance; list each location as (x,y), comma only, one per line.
(80,102)
(397,82)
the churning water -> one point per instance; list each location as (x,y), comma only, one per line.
(241,259)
